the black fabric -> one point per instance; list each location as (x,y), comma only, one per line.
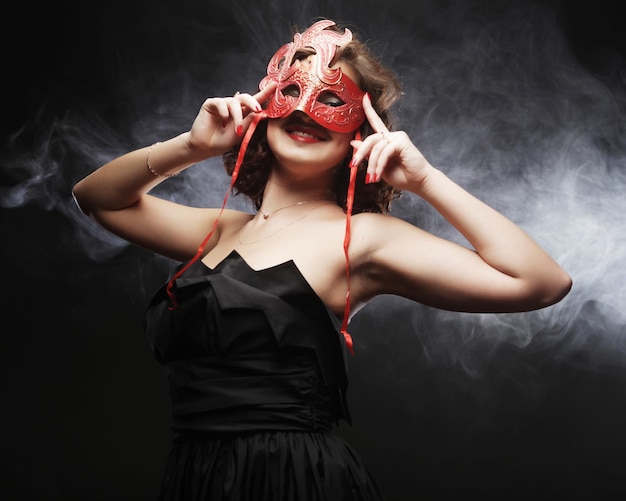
(256,370)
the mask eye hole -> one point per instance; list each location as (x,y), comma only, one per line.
(330,99)
(291,91)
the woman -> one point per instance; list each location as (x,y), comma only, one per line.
(252,327)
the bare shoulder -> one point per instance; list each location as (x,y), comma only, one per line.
(231,218)
(229,221)
(374,230)
(199,221)
(381,243)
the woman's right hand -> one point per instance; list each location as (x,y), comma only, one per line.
(222,121)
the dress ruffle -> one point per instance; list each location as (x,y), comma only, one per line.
(267,466)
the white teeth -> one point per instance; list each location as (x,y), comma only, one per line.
(302,134)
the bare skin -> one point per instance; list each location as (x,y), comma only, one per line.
(504,271)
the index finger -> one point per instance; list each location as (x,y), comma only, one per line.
(264,94)
(372,117)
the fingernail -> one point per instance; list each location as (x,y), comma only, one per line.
(258,108)
(239,130)
(367,178)
(353,162)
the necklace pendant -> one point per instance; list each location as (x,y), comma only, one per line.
(265,216)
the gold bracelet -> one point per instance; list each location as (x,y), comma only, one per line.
(150,166)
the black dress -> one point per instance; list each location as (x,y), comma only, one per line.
(257,376)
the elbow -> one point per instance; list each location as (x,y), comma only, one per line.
(543,292)
(566,286)
(79,199)
(557,288)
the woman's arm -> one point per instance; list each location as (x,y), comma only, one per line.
(505,271)
(116,195)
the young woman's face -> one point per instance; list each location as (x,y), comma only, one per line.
(298,140)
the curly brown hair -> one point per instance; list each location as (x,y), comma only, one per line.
(384,90)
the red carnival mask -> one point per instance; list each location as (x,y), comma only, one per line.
(325,94)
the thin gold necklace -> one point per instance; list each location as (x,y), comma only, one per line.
(266,215)
(282,227)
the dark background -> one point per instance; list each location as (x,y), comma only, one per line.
(522,102)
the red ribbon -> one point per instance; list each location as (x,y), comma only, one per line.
(346,245)
(242,151)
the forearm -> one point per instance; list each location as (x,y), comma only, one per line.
(497,240)
(121,182)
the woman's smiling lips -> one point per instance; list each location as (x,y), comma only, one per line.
(305,135)
(299,131)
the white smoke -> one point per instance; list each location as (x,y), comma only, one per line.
(493,96)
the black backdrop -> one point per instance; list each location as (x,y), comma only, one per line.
(522,102)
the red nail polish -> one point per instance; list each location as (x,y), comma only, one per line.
(367,178)
(353,162)
(239,130)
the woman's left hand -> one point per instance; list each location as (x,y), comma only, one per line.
(391,155)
